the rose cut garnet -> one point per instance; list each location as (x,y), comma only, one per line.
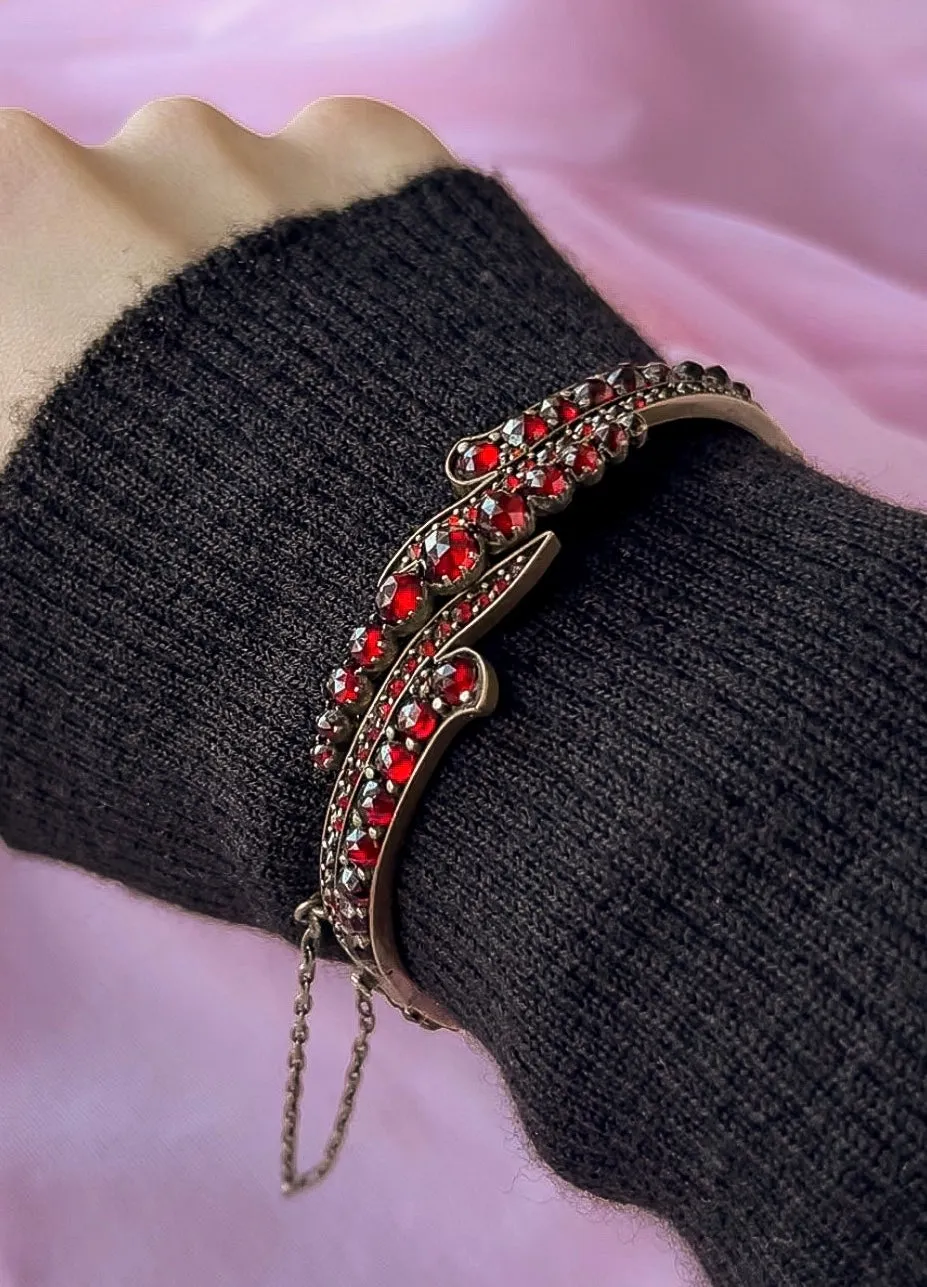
(451,554)
(655,373)
(361,848)
(396,762)
(348,686)
(594,392)
(585,461)
(401,597)
(625,378)
(637,430)
(377,805)
(354,882)
(323,756)
(525,430)
(417,720)
(614,441)
(370,645)
(455,681)
(477,459)
(504,516)
(717,377)
(353,909)
(548,483)
(334,724)
(535,427)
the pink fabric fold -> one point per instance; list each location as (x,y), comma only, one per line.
(746,180)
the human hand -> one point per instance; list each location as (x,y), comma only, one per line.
(86,231)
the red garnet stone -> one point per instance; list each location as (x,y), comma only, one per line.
(585,461)
(400,597)
(334,724)
(594,392)
(451,554)
(370,645)
(504,516)
(625,378)
(477,459)
(361,848)
(417,720)
(455,681)
(377,805)
(525,430)
(535,427)
(324,756)
(348,686)
(548,483)
(396,763)
(614,439)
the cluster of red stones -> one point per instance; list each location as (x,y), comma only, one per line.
(369,796)
(474,458)
(630,385)
(422,690)
(448,558)
(530,466)
(451,556)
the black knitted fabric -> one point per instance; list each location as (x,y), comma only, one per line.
(676,884)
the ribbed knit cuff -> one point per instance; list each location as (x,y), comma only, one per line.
(199,514)
(674,884)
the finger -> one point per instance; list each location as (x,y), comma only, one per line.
(197,175)
(357,147)
(84,232)
(71,257)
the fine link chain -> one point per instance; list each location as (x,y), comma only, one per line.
(311,914)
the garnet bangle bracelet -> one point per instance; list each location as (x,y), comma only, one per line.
(411,679)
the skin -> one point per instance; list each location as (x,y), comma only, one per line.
(85,231)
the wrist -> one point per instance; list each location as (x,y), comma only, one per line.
(197,485)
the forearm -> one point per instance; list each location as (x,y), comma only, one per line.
(667,883)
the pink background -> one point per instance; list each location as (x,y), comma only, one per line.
(750,186)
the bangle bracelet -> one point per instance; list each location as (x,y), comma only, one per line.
(411,678)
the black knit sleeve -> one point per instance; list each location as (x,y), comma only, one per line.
(676,884)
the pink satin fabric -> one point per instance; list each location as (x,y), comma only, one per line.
(747,181)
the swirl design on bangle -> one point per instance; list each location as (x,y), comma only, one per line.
(411,679)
